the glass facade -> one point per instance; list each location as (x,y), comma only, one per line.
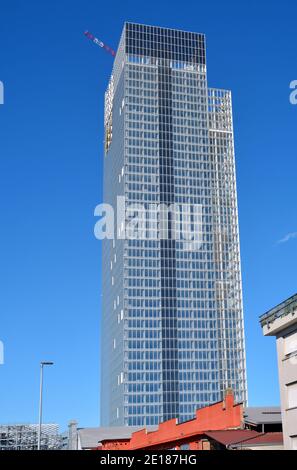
(172,321)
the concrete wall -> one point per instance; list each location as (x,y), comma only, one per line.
(264,447)
(287,367)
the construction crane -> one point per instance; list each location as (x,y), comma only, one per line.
(99,43)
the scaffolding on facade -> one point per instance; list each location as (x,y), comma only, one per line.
(25,437)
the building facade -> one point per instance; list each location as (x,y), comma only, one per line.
(281,321)
(25,437)
(172,321)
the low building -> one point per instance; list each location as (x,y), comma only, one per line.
(281,322)
(186,435)
(91,438)
(220,426)
(263,418)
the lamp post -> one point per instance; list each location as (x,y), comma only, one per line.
(42,364)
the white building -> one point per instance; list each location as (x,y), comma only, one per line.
(281,322)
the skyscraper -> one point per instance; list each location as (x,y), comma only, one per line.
(172,320)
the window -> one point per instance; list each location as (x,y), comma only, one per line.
(290,344)
(185,447)
(292,395)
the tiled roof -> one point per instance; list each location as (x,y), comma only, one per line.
(265,438)
(244,437)
(231,436)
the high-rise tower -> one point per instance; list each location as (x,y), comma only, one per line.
(172,321)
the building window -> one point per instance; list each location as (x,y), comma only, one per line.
(185,447)
(292,395)
(290,344)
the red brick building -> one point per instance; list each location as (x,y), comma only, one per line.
(187,435)
(218,426)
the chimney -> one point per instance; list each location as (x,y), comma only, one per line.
(229,398)
(72,435)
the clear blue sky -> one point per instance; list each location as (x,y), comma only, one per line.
(51,179)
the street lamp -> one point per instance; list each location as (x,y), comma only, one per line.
(42,364)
